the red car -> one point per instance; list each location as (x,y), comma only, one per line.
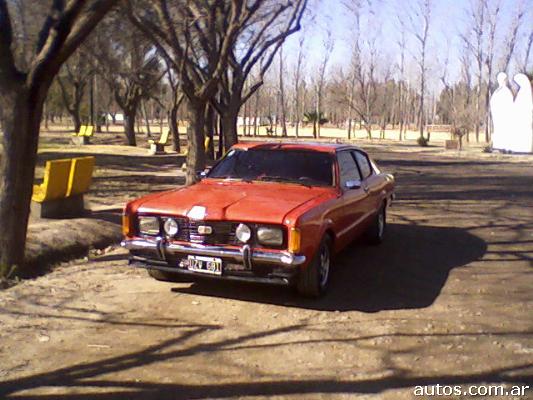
(266,212)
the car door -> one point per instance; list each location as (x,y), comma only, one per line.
(370,182)
(353,199)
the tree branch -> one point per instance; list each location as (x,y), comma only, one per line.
(8,71)
(64,36)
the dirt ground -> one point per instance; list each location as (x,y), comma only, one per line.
(446,299)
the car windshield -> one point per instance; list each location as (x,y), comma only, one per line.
(310,168)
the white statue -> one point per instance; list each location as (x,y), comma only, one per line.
(501,105)
(513,120)
(523,116)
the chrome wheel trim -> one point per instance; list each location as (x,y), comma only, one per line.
(323,268)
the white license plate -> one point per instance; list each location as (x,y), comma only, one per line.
(205,265)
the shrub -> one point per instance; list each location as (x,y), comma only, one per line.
(422,141)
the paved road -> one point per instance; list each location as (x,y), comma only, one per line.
(445,300)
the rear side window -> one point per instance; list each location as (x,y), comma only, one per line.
(347,168)
(364,164)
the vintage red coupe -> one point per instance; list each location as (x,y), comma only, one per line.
(266,212)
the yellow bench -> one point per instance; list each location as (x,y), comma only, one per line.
(158,146)
(84,134)
(64,183)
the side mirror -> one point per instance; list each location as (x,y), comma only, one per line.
(350,185)
(202,174)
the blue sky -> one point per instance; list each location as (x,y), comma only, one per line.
(448,18)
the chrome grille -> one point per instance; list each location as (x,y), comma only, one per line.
(223,231)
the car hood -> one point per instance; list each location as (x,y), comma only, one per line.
(265,202)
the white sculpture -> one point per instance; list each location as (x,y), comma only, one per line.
(501,105)
(513,120)
(523,116)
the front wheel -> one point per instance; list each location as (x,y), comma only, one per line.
(313,280)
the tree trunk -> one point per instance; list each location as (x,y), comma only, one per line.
(229,126)
(282,96)
(195,139)
(129,127)
(220,137)
(76,120)
(20,119)
(256,112)
(146,120)
(368,128)
(173,126)
(209,128)
(46,116)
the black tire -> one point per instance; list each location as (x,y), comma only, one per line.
(376,230)
(166,276)
(313,280)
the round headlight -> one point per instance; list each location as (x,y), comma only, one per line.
(171,227)
(243,233)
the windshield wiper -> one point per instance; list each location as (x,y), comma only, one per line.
(282,179)
(233,178)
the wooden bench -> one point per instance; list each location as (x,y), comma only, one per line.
(158,147)
(83,136)
(60,195)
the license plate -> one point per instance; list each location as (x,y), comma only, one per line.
(205,265)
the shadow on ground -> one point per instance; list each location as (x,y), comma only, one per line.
(407,271)
(82,379)
(118,161)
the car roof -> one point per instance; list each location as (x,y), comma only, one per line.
(278,145)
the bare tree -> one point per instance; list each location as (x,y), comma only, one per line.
(527,52)
(420,19)
(362,91)
(261,38)
(196,38)
(23,94)
(77,73)
(297,84)
(321,78)
(402,43)
(512,37)
(351,81)
(176,99)
(492,21)
(282,102)
(129,65)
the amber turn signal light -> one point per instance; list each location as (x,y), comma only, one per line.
(294,240)
(127,225)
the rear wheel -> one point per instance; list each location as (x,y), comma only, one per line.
(376,231)
(313,280)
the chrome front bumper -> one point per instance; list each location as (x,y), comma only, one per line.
(245,255)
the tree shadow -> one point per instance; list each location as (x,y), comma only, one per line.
(118,161)
(408,270)
(82,379)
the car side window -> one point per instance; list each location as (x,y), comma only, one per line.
(347,168)
(364,164)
